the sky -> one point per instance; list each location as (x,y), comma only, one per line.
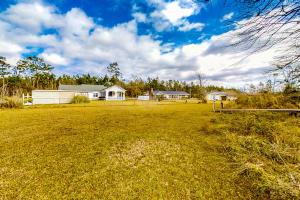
(169,39)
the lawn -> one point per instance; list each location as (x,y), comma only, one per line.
(114,151)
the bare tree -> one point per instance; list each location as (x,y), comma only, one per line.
(263,24)
(269,23)
(201,91)
(200,77)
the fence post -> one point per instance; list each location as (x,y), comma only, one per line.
(214,105)
(23,98)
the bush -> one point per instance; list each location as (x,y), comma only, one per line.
(11,102)
(267,100)
(80,99)
(265,148)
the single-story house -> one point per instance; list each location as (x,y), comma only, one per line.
(171,94)
(96,92)
(218,96)
(65,93)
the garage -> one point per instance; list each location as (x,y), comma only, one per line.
(52,96)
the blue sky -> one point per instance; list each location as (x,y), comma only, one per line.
(172,39)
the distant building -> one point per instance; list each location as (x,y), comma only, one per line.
(96,92)
(218,96)
(171,94)
(144,98)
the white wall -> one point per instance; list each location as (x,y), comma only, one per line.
(91,95)
(51,96)
(212,97)
(144,98)
(115,89)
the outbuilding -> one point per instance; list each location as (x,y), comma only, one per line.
(52,96)
(171,94)
(218,96)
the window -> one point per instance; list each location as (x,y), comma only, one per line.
(111,93)
(120,94)
(95,95)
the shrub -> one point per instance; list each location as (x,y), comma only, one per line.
(80,99)
(11,102)
(267,100)
(265,148)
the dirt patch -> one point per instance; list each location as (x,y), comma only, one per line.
(143,152)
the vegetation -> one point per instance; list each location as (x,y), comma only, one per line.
(267,101)
(265,148)
(267,24)
(151,150)
(264,97)
(80,99)
(11,102)
(34,73)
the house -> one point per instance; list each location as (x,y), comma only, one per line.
(171,94)
(96,92)
(65,93)
(218,96)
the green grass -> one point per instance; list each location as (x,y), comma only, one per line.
(116,150)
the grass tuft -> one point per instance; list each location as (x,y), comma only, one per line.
(11,102)
(80,99)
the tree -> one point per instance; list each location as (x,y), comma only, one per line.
(36,67)
(115,72)
(4,71)
(290,74)
(269,23)
(201,91)
(263,24)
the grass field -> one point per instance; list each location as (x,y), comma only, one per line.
(115,151)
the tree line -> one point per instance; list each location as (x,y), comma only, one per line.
(33,73)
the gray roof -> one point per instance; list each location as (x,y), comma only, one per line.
(82,88)
(157,92)
(218,93)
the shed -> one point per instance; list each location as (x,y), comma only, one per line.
(52,96)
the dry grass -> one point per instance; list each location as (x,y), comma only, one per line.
(123,150)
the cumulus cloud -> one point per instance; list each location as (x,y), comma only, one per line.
(174,14)
(32,16)
(80,45)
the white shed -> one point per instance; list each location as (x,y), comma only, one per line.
(52,96)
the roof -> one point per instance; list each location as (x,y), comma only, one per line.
(115,86)
(82,88)
(157,92)
(218,93)
(52,90)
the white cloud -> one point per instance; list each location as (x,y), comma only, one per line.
(139,17)
(80,45)
(54,59)
(32,16)
(227,16)
(186,26)
(174,14)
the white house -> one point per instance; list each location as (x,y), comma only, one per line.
(65,93)
(171,94)
(218,96)
(96,92)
